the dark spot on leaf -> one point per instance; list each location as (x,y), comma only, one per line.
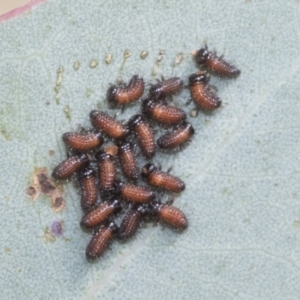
(57,228)
(31,191)
(58,201)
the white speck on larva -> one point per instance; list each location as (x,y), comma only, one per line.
(94,63)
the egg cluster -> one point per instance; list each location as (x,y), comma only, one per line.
(95,164)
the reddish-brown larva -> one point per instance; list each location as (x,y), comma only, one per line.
(215,64)
(134,193)
(171,215)
(165,114)
(144,134)
(99,214)
(82,141)
(128,161)
(171,140)
(128,94)
(106,171)
(166,88)
(200,92)
(108,125)
(100,240)
(89,190)
(131,222)
(161,179)
(69,166)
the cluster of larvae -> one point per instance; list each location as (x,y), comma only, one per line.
(96,155)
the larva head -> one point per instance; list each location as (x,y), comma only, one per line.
(124,147)
(117,187)
(135,120)
(155,90)
(147,170)
(201,56)
(147,105)
(116,205)
(111,94)
(186,126)
(102,155)
(113,227)
(86,172)
(198,78)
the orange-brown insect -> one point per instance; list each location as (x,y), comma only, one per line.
(83,141)
(131,222)
(179,136)
(166,88)
(162,180)
(69,166)
(100,214)
(108,125)
(144,134)
(106,171)
(89,190)
(100,240)
(171,215)
(165,114)
(134,193)
(215,64)
(128,161)
(128,94)
(200,92)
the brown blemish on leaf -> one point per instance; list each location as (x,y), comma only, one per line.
(31,192)
(112,150)
(51,152)
(47,187)
(57,203)
(7,250)
(43,184)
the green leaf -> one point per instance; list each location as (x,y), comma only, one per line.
(241,169)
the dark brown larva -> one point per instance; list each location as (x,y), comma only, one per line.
(69,166)
(179,136)
(134,193)
(108,125)
(128,94)
(215,64)
(166,88)
(106,171)
(171,215)
(200,92)
(89,190)
(100,240)
(83,141)
(144,134)
(162,180)
(128,161)
(131,222)
(165,114)
(100,214)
